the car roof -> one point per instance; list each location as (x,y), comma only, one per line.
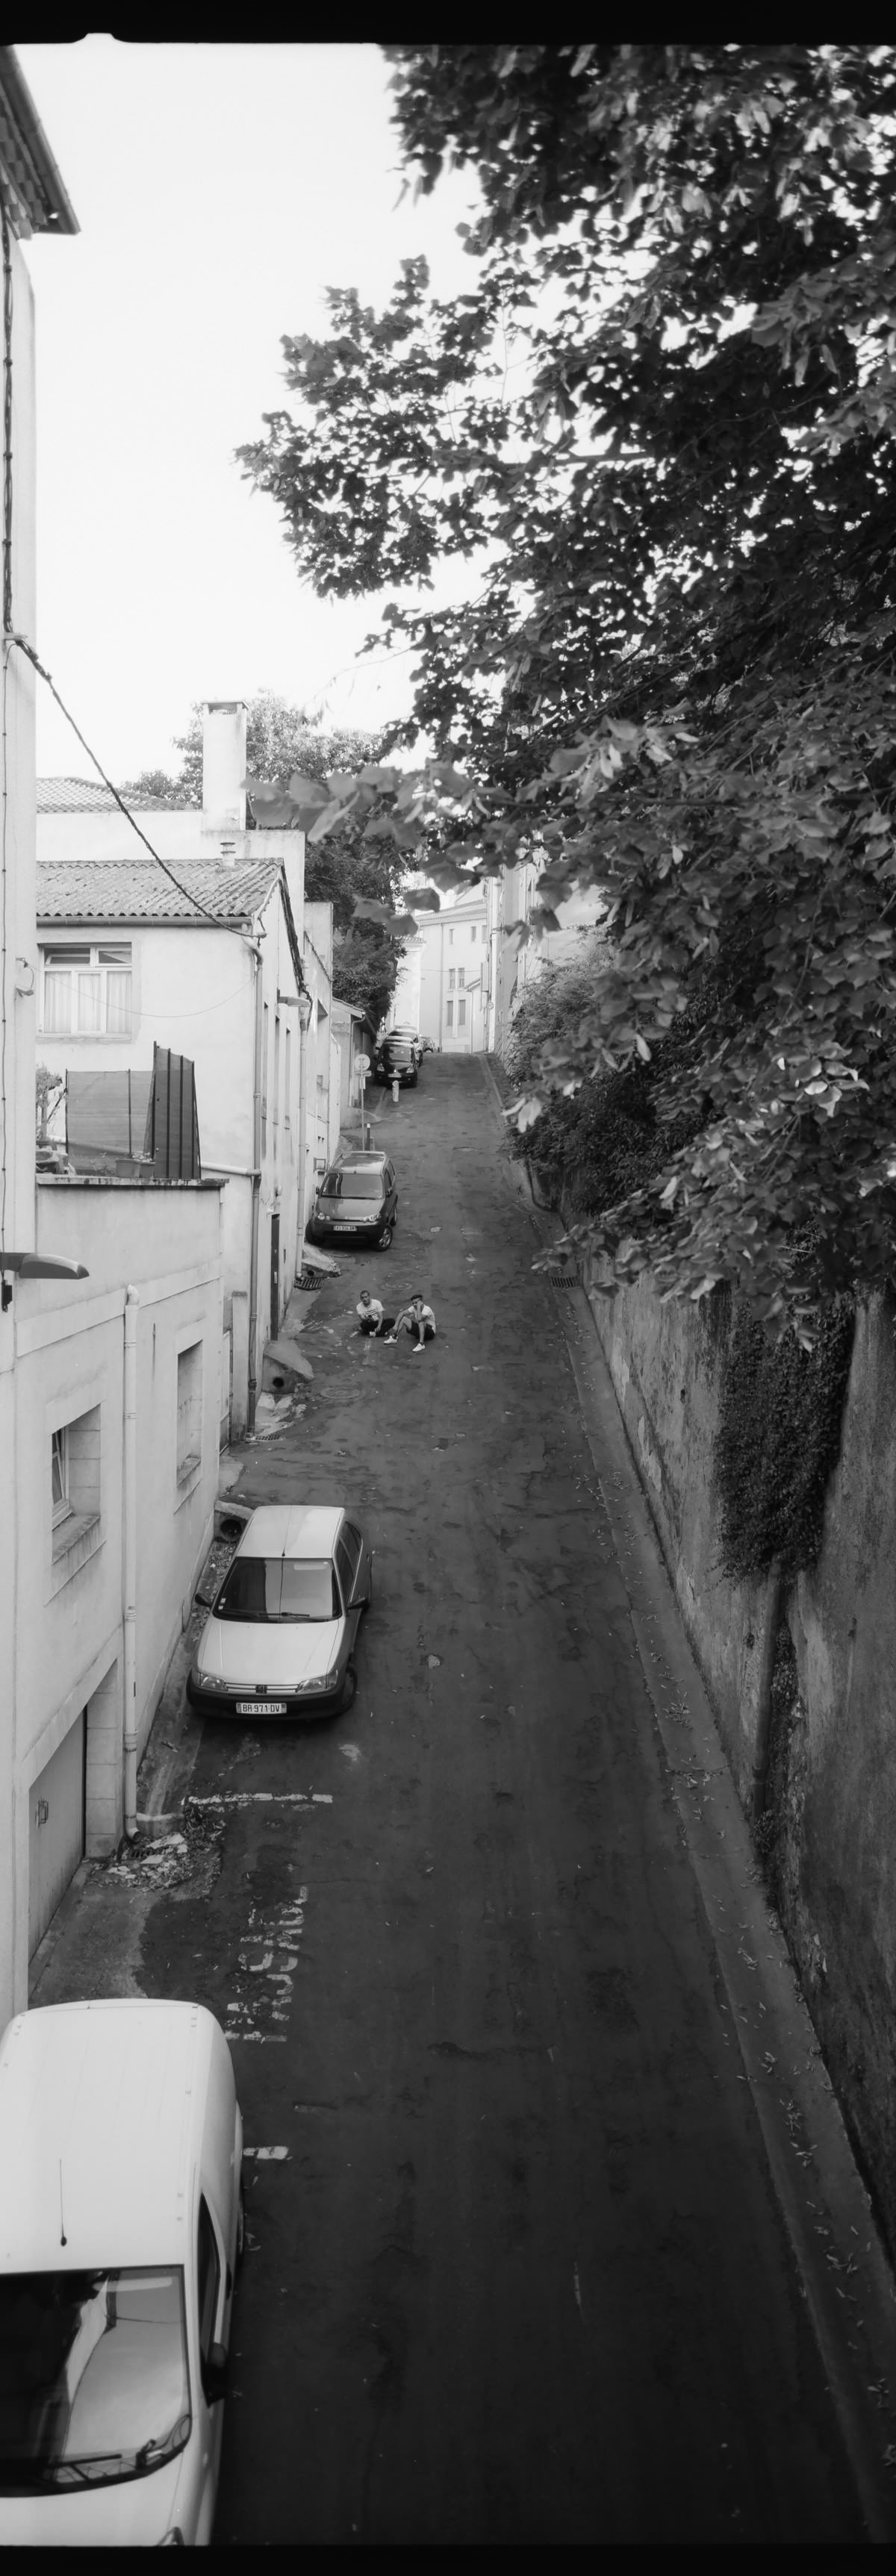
(113,2094)
(365,1154)
(292,1529)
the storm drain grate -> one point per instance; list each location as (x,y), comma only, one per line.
(310,1279)
(562,1278)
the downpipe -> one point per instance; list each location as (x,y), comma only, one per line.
(252,1384)
(131,1305)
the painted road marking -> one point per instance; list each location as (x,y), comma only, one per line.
(266,2155)
(266,1798)
(276,1941)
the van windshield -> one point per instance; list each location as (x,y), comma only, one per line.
(279,1587)
(93,2377)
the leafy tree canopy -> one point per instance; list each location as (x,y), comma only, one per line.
(660,430)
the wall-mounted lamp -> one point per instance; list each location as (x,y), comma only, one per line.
(24,978)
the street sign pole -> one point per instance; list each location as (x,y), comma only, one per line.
(364,1069)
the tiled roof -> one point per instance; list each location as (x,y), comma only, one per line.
(120,890)
(89,796)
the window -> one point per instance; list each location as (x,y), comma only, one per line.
(269,1591)
(208,2283)
(61,1504)
(449,1015)
(450,979)
(451,939)
(264,1081)
(189,1412)
(461,1014)
(472,930)
(276,1071)
(460,978)
(287,1077)
(86,992)
(74,1482)
(348,1556)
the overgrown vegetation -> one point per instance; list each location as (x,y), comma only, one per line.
(283,747)
(780,1415)
(662,419)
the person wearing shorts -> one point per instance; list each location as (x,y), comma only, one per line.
(417,1319)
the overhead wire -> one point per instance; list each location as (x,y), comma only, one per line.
(192,899)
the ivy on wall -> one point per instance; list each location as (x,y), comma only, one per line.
(778,1439)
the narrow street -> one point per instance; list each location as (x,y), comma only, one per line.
(517,2273)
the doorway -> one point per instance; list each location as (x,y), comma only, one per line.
(56,1829)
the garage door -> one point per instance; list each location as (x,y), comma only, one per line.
(55,1830)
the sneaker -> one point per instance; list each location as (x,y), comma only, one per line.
(418,1354)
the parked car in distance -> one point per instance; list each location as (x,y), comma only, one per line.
(397,1060)
(357,1197)
(282,1630)
(121,2223)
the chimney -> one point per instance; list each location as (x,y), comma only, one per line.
(224,773)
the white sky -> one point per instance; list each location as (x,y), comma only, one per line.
(219,189)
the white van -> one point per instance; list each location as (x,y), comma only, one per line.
(121,2222)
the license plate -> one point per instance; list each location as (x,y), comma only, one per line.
(261,1708)
(343,1225)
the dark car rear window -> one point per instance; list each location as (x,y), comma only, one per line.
(399,1051)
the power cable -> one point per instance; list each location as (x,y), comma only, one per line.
(192,899)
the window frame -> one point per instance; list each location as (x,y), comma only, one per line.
(462,1011)
(449,1013)
(59,1451)
(87,957)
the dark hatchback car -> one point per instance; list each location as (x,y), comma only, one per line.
(356,1199)
(397,1061)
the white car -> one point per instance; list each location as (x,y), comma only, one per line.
(121,2225)
(282,1630)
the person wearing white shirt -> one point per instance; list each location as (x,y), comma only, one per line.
(417,1319)
(371,1317)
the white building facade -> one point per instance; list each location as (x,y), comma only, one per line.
(212,967)
(110,1314)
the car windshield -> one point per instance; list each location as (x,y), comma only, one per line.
(399,1051)
(282,1588)
(93,2377)
(353,1181)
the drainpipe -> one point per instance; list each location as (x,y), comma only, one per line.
(252,1389)
(304,1025)
(131,1303)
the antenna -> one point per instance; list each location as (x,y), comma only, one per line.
(63,2239)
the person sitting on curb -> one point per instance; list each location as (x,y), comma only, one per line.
(418,1320)
(372,1319)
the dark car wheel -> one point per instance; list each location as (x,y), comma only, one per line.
(349,1690)
(368,1597)
(386,1238)
(240,2224)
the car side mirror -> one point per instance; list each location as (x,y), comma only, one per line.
(214,2374)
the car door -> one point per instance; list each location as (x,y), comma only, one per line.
(390,1189)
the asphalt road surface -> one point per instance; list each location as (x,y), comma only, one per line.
(517,2273)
